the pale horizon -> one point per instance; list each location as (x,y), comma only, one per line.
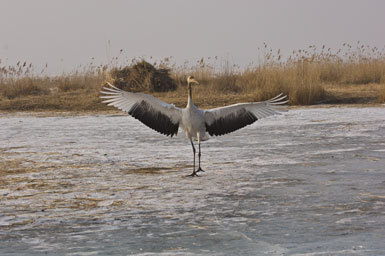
(67,34)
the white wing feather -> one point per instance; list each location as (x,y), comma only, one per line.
(124,100)
(259,109)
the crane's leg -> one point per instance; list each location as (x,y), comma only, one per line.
(194,173)
(199,157)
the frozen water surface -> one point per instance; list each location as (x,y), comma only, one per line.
(309,182)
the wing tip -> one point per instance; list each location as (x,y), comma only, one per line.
(280,99)
(111,85)
(110,91)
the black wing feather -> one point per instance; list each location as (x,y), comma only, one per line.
(231,122)
(153,118)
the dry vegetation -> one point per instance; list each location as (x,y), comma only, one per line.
(352,74)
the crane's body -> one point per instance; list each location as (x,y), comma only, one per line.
(197,124)
(193,119)
(193,123)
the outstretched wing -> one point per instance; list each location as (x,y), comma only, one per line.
(156,114)
(227,119)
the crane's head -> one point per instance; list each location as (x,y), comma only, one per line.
(191,80)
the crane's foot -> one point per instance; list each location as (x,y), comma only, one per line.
(200,170)
(194,174)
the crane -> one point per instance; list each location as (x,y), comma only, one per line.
(196,123)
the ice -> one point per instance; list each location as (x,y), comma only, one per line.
(308,182)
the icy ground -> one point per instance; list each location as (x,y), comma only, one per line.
(309,182)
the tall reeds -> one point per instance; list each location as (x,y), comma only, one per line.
(305,75)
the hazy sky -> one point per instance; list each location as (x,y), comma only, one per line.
(67,33)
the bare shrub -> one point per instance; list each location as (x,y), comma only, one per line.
(143,76)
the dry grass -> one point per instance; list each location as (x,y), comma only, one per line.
(308,76)
(27,92)
(142,76)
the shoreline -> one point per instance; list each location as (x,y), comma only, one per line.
(112,112)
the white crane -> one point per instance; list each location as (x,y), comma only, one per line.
(166,118)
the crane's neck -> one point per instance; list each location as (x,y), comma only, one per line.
(189,100)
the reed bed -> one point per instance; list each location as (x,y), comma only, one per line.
(352,74)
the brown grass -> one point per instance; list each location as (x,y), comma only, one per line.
(142,76)
(308,76)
